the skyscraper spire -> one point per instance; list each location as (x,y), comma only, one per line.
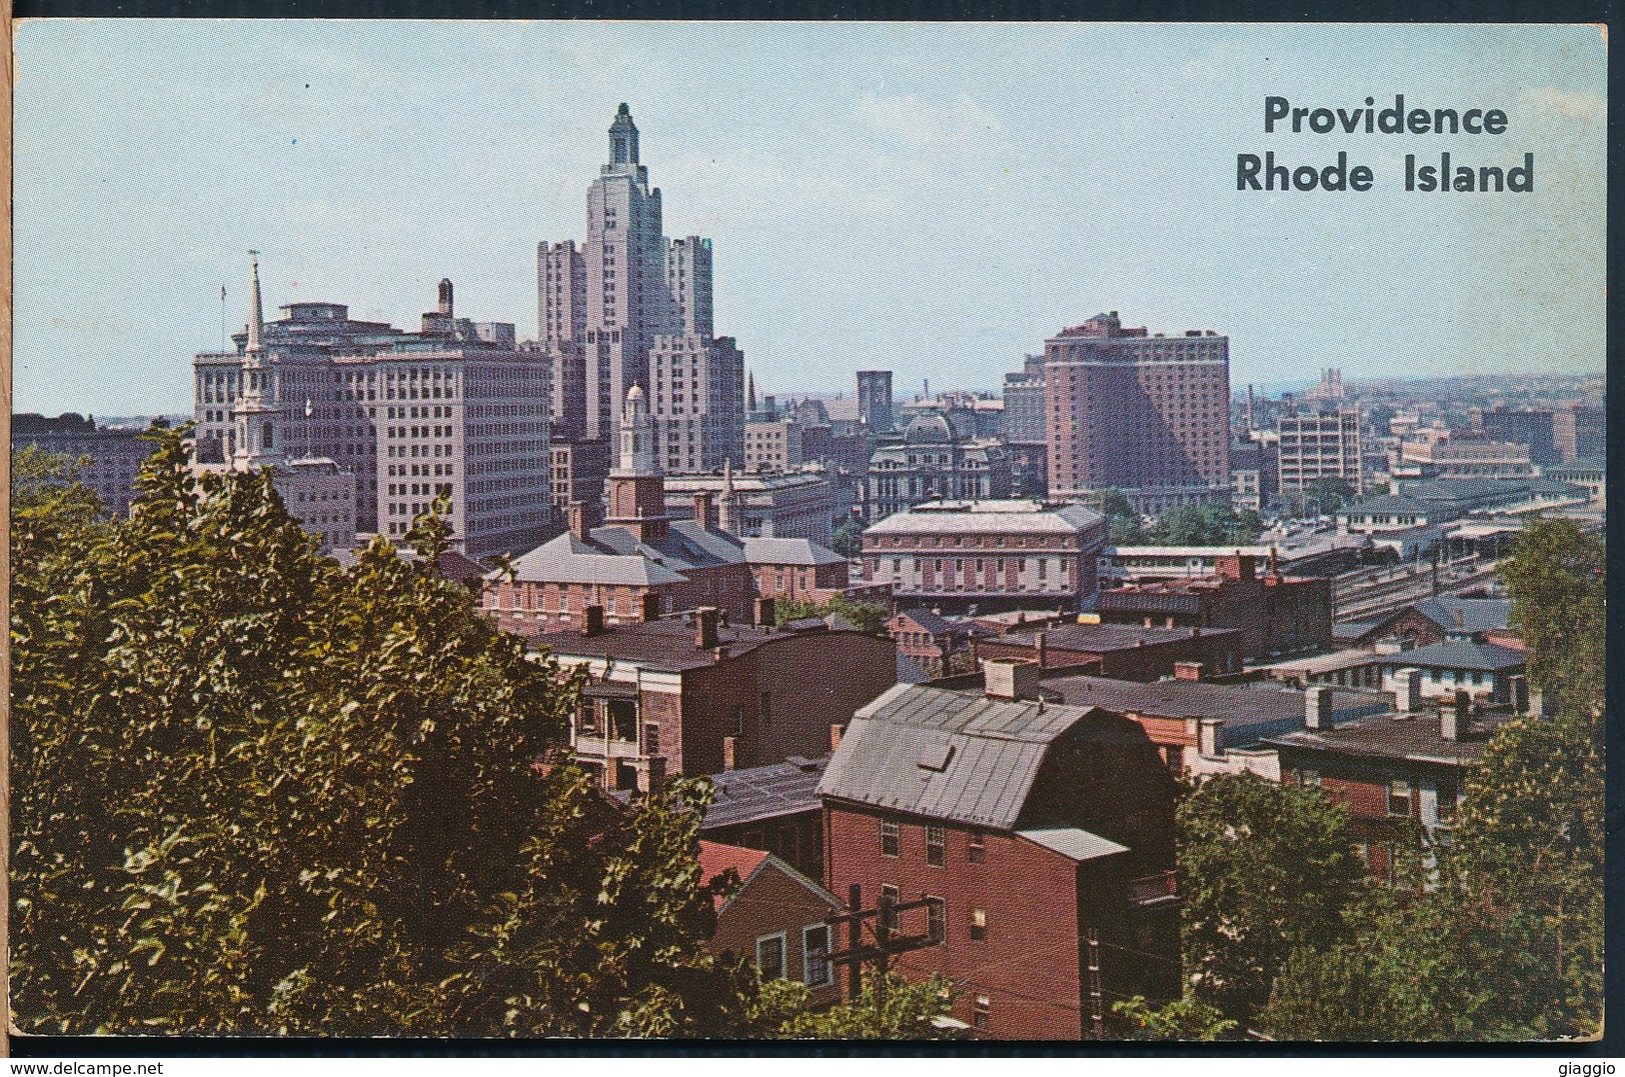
(623,138)
(256,317)
(750,395)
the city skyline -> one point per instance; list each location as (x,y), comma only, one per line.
(876,215)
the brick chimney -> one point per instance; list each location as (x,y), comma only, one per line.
(1189,671)
(764,610)
(1041,641)
(594,624)
(649,607)
(728,746)
(705,627)
(580,520)
(705,513)
(835,731)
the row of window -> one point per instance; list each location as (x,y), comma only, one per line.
(891,843)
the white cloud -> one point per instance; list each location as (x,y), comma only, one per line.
(916,122)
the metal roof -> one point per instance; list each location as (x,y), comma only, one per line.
(1459,654)
(941,754)
(789,551)
(757,793)
(1007,515)
(1073,843)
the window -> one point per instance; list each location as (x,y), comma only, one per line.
(935,846)
(1399,797)
(978,847)
(981,1009)
(770,956)
(815,971)
(1308,776)
(889,895)
(891,838)
(978,924)
(1447,800)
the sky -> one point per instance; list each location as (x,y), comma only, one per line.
(934,199)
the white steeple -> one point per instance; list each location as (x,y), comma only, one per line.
(637,435)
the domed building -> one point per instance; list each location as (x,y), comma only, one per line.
(929,460)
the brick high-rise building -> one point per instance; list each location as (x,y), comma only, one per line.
(444,411)
(632,308)
(1149,415)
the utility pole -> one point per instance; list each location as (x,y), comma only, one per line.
(889,941)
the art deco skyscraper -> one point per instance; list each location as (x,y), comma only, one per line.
(630,308)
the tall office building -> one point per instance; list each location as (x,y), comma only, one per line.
(1319,443)
(1024,403)
(875,401)
(632,308)
(401,417)
(1149,415)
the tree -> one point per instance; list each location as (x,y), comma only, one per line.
(1264,869)
(1182,1019)
(1326,495)
(1123,523)
(1556,578)
(865,616)
(888,1008)
(258,794)
(1209,524)
(848,538)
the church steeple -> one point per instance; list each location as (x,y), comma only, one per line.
(636,488)
(623,138)
(256,315)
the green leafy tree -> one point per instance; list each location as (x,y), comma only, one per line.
(1123,523)
(865,616)
(258,794)
(1264,869)
(889,1007)
(1206,525)
(1182,1019)
(1326,495)
(847,539)
(1556,578)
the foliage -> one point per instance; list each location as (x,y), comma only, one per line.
(1556,579)
(888,1008)
(1326,495)
(1206,525)
(1264,869)
(1123,523)
(255,793)
(866,616)
(847,539)
(1182,1019)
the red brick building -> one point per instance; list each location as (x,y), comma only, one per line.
(775,916)
(1149,415)
(1437,619)
(1047,833)
(1277,615)
(796,569)
(932,643)
(1118,651)
(692,695)
(1394,771)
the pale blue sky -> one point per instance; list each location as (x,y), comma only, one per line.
(933,199)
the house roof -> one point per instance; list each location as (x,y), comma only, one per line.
(931,622)
(1240,705)
(664,644)
(1072,843)
(1460,654)
(1387,503)
(1103,638)
(716,859)
(1006,516)
(1466,614)
(789,551)
(567,559)
(1393,736)
(931,752)
(757,793)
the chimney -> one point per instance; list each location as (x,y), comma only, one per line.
(705,510)
(649,607)
(1408,689)
(576,513)
(764,612)
(594,625)
(1011,678)
(835,731)
(728,753)
(1210,738)
(1317,707)
(1189,671)
(1454,719)
(1042,641)
(705,627)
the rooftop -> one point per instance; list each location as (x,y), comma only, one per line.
(1260,702)
(1461,654)
(789,551)
(999,515)
(757,793)
(665,644)
(1414,737)
(1103,638)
